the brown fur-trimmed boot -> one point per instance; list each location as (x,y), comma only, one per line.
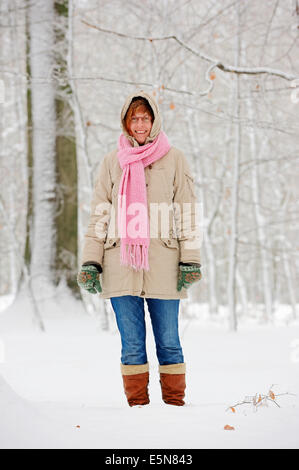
(135,380)
(173,384)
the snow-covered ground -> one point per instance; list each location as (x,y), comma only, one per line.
(63,388)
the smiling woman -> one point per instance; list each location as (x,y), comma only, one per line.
(139,120)
(143,261)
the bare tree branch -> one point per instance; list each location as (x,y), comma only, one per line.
(215,63)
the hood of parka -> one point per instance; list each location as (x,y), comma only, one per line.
(157,124)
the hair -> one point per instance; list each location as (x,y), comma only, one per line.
(136,103)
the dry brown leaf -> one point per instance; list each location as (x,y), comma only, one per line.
(212,76)
(227,193)
(227,427)
(172,105)
(260,399)
(272,395)
(233,409)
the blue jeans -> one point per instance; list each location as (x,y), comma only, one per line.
(129,312)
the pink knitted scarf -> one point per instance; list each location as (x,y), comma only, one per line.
(133,220)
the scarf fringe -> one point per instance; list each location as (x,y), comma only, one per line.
(135,256)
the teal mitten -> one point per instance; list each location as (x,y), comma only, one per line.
(188,274)
(89,279)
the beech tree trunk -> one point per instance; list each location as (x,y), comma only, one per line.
(43,237)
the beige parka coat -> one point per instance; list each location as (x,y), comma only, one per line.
(174,222)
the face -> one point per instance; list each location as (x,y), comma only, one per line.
(140,126)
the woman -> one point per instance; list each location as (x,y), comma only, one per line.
(143,239)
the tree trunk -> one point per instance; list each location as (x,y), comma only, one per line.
(13,144)
(94,304)
(43,237)
(260,219)
(235,194)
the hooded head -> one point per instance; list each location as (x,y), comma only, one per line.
(156,117)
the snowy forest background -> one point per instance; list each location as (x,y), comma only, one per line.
(225,75)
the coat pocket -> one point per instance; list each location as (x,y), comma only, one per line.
(170,243)
(111,243)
